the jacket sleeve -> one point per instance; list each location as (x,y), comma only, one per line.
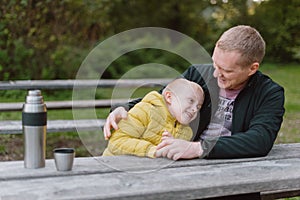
(262,125)
(127,139)
(186,133)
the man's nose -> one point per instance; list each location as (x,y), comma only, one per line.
(216,73)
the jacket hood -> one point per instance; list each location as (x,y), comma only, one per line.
(154,98)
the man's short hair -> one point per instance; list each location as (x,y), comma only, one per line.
(245,40)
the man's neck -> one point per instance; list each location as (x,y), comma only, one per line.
(230,94)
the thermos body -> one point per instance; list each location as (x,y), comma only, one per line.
(34,122)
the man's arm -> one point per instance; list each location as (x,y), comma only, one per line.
(260,130)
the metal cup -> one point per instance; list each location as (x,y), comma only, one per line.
(64,158)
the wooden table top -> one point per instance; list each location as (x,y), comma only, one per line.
(130,177)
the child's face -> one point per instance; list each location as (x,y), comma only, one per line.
(185,105)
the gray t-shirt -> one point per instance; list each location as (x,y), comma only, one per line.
(221,122)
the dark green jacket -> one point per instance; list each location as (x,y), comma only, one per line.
(257,115)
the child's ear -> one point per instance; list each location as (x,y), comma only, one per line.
(168,97)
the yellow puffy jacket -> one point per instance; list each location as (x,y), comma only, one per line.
(141,132)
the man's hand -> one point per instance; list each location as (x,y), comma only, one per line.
(176,149)
(112,121)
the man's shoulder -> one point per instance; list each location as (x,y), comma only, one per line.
(202,67)
(263,87)
(266,81)
(197,72)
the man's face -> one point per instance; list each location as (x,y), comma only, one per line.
(229,73)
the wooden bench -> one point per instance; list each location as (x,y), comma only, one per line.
(127,177)
(15,126)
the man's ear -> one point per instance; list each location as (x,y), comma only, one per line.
(253,68)
(168,97)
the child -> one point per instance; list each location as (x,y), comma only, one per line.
(171,112)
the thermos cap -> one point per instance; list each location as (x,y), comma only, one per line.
(34,97)
(34,93)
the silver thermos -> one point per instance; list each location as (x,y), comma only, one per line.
(34,122)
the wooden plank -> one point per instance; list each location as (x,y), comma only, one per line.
(270,195)
(251,196)
(70,84)
(15,127)
(14,169)
(217,172)
(195,182)
(57,105)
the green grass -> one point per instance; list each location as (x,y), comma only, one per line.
(292,198)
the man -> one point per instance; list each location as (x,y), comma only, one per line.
(243,109)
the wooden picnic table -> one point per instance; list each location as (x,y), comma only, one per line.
(129,177)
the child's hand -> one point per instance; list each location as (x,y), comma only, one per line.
(166,134)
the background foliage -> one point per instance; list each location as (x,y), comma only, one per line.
(49,39)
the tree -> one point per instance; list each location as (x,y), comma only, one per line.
(46,39)
(279,24)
